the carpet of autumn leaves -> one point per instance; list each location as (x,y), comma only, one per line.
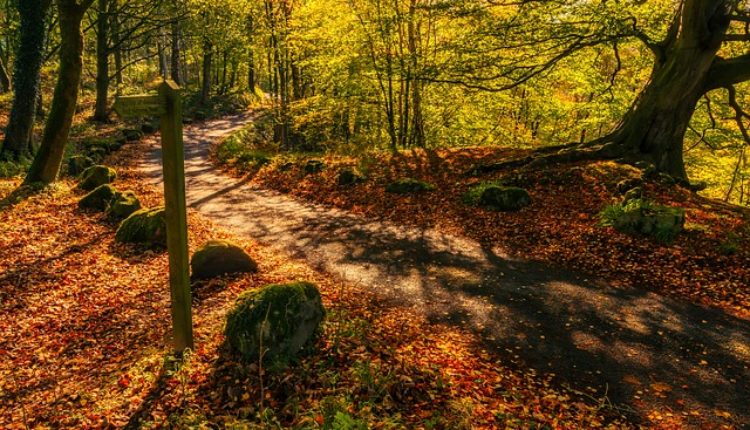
(562,224)
(84,329)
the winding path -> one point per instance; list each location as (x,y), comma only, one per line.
(642,350)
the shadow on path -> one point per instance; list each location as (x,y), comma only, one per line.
(599,339)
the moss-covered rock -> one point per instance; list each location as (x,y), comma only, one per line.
(408,186)
(145,226)
(123,205)
(279,319)
(633,194)
(95,176)
(643,217)
(131,134)
(150,127)
(78,163)
(497,197)
(98,199)
(349,177)
(218,257)
(314,166)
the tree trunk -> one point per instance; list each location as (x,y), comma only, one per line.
(207,65)
(28,63)
(4,78)
(655,127)
(102,62)
(117,51)
(174,64)
(46,165)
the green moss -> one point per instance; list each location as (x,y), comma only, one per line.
(644,217)
(219,257)
(146,226)
(99,199)
(279,319)
(123,205)
(408,186)
(95,176)
(497,197)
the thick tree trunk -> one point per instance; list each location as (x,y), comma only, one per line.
(655,127)
(26,77)
(46,165)
(102,62)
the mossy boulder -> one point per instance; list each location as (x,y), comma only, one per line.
(409,186)
(279,319)
(150,127)
(314,166)
(643,217)
(131,134)
(145,226)
(99,198)
(78,163)
(218,257)
(96,176)
(349,177)
(123,205)
(498,197)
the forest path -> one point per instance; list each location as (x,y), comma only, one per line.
(645,352)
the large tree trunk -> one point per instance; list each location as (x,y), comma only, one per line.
(102,63)
(46,165)
(174,64)
(655,127)
(26,77)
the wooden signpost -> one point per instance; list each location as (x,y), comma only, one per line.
(167,104)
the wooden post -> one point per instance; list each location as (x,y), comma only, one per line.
(173,155)
(168,106)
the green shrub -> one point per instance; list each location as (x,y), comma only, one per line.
(644,217)
(11,169)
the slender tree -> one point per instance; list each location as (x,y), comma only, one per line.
(46,164)
(26,77)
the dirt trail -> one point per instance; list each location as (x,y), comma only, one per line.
(644,351)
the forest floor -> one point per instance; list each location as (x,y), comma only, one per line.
(656,356)
(84,334)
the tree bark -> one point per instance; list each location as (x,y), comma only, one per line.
(18,141)
(208,53)
(102,62)
(4,78)
(655,127)
(174,63)
(46,165)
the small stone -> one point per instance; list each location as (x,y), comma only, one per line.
(504,199)
(131,134)
(409,186)
(314,166)
(95,176)
(78,163)
(146,226)
(98,199)
(123,205)
(218,257)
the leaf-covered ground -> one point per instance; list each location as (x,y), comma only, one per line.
(84,327)
(709,263)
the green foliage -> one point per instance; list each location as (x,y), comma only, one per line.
(240,150)
(10,169)
(644,217)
